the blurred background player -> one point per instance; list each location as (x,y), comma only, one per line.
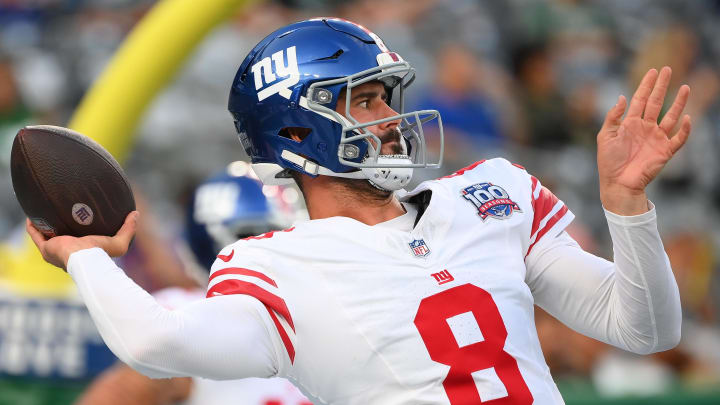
(229,206)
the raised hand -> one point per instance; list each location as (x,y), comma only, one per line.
(633,150)
(57,250)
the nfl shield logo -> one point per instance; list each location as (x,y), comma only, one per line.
(419,248)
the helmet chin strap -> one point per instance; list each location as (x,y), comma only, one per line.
(315,169)
(390,178)
(384,178)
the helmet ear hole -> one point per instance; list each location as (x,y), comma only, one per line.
(297,134)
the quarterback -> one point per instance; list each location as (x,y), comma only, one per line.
(388,296)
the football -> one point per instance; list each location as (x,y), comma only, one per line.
(67,184)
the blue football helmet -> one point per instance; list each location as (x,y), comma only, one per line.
(233,205)
(292,80)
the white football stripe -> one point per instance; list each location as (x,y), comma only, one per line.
(536,191)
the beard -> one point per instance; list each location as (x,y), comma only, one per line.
(395,139)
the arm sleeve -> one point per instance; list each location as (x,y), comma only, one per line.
(632,303)
(225,337)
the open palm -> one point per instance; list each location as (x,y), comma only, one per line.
(632,151)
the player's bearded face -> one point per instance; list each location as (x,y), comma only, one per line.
(369,103)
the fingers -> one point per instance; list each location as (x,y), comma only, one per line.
(613,118)
(36,236)
(640,98)
(677,141)
(657,97)
(671,117)
(118,244)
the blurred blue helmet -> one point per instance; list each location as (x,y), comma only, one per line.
(233,205)
(291,81)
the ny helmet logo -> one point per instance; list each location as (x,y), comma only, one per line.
(284,67)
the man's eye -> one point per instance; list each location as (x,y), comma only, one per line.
(364,104)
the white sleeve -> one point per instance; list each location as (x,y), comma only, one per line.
(632,303)
(225,337)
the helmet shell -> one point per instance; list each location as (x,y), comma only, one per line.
(344,49)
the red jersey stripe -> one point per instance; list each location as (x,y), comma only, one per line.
(461,171)
(548,226)
(542,207)
(283,335)
(230,287)
(243,272)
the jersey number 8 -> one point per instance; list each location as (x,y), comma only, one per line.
(484,361)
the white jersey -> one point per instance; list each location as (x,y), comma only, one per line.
(439,313)
(247,391)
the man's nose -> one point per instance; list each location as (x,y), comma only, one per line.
(387,111)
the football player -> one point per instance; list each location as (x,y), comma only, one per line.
(387,296)
(229,206)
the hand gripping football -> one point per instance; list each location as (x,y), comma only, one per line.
(67,184)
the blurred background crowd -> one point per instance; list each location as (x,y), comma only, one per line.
(529,80)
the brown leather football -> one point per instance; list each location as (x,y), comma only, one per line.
(67,184)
